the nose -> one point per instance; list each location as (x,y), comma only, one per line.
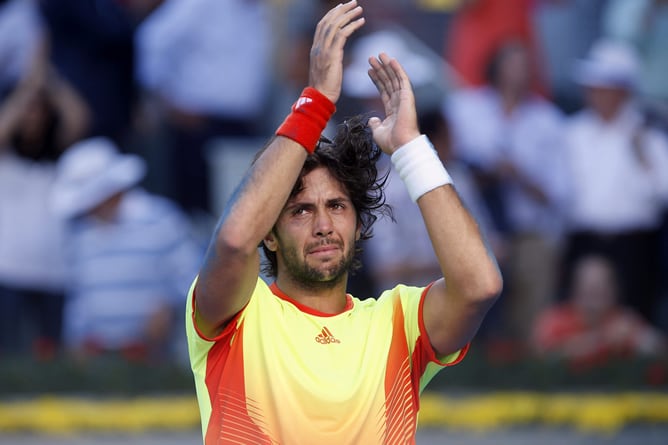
(323,224)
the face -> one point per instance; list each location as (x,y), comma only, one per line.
(606,102)
(107,210)
(314,237)
(514,69)
(595,290)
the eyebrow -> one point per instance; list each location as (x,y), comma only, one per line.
(292,203)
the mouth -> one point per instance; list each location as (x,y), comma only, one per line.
(324,249)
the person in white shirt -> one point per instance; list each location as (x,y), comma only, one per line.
(20,36)
(618,168)
(206,66)
(39,117)
(511,137)
(130,255)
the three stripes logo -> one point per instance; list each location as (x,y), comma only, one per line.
(325,337)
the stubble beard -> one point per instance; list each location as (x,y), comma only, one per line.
(310,277)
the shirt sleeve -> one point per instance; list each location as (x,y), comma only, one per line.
(200,344)
(425,363)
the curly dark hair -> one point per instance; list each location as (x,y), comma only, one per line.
(350,158)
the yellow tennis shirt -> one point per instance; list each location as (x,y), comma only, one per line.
(282,373)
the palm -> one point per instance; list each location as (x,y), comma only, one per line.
(400,123)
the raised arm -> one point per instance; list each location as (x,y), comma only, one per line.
(456,304)
(231,265)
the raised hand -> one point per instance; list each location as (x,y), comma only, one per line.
(331,34)
(400,123)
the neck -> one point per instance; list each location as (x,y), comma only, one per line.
(326,297)
(511,98)
(608,115)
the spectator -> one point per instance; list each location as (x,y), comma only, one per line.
(129,253)
(39,117)
(511,138)
(591,326)
(618,168)
(560,49)
(20,35)
(206,64)
(644,24)
(92,46)
(476,30)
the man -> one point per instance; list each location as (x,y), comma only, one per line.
(591,327)
(302,361)
(617,166)
(511,138)
(129,255)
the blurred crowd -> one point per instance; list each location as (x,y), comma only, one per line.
(550,115)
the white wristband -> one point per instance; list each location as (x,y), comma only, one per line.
(419,167)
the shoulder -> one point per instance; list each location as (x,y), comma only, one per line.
(145,205)
(260,296)
(403,295)
(471,99)
(581,119)
(542,108)
(142,208)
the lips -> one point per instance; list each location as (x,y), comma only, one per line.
(324,248)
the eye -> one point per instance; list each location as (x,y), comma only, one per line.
(299,211)
(338,206)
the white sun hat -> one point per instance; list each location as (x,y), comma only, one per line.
(610,63)
(91,171)
(426,70)
(356,82)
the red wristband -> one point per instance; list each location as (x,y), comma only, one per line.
(309,117)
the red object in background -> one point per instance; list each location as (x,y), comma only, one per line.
(480,28)
(657,374)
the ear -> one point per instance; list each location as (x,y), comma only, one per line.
(358,231)
(270,242)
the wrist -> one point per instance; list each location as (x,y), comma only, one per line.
(419,167)
(332,97)
(309,117)
(406,139)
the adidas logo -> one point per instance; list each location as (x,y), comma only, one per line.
(325,337)
(302,101)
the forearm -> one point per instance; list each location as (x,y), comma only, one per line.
(466,261)
(456,305)
(232,260)
(262,194)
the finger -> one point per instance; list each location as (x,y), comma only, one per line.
(353,26)
(338,11)
(381,74)
(346,13)
(390,72)
(344,26)
(384,94)
(336,19)
(400,73)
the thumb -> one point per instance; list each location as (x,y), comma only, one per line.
(374,123)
